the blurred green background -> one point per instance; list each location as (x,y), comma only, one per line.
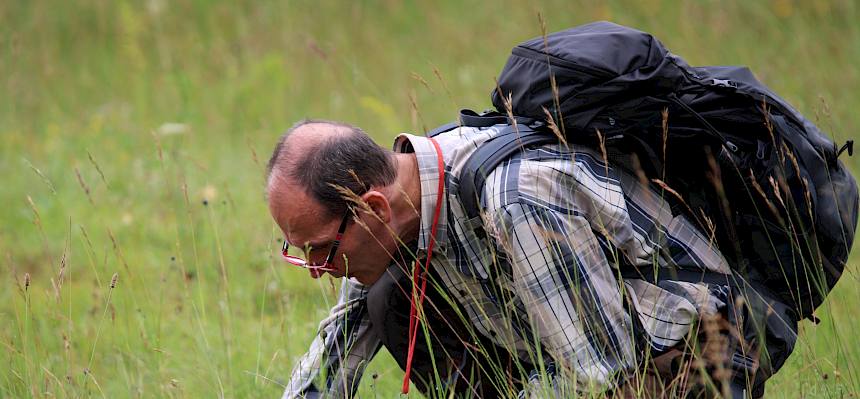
(134,135)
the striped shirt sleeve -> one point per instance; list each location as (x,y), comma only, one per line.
(569,291)
(559,269)
(333,365)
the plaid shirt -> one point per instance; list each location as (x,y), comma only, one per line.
(562,225)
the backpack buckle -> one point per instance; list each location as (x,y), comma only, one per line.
(731,146)
(849,145)
(725,83)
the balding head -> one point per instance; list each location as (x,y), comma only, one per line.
(316,155)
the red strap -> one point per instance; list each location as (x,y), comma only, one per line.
(420,274)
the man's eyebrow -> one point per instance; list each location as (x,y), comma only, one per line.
(318,244)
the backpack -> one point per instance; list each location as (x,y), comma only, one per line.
(740,162)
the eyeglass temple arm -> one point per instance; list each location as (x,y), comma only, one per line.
(338,237)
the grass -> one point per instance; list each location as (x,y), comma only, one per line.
(134,137)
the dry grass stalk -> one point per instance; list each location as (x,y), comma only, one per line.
(413,104)
(158,147)
(776,191)
(117,250)
(417,77)
(357,179)
(636,165)
(445,86)
(88,373)
(91,253)
(54,379)
(26,281)
(271,363)
(98,169)
(768,124)
(712,228)
(41,175)
(184,188)
(254,156)
(84,185)
(352,198)
(602,140)
(550,123)
(714,175)
(408,200)
(552,82)
(37,220)
(715,351)
(189,214)
(61,274)
(674,193)
(56,288)
(665,129)
(769,204)
(107,306)
(808,197)
(792,158)
(507,102)
(806,192)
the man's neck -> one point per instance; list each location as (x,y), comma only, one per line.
(406,206)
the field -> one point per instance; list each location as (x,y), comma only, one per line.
(137,256)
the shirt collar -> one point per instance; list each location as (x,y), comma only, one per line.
(428,173)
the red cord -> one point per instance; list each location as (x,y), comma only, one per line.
(421,274)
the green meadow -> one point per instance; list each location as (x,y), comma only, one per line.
(137,256)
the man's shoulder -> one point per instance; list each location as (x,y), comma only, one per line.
(539,172)
(554,177)
(459,145)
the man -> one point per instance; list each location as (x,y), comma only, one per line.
(538,307)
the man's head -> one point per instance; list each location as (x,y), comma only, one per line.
(311,168)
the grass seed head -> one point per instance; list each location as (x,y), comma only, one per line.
(26,281)
(113,280)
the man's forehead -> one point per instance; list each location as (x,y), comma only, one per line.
(301,217)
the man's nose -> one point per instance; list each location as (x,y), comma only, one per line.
(316,258)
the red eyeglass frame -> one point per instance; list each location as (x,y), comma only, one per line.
(327,265)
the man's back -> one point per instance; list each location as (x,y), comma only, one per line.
(562,226)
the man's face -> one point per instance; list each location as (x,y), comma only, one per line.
(306,225)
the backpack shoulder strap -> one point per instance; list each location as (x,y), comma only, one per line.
(490,118)
(518,133)
(471,118)
(444,128)
(510,140)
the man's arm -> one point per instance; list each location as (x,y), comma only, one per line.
(570,294)
(340,352)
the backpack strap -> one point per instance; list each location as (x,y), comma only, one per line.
(470,118)
(444,128)
(517,133)
(490,118)
(487,157)
(653,276)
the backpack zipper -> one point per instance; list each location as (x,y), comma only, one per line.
(708,127)
(535,55)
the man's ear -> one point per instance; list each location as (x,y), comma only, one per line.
(378,203)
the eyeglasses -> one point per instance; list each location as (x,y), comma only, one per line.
(325,266)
